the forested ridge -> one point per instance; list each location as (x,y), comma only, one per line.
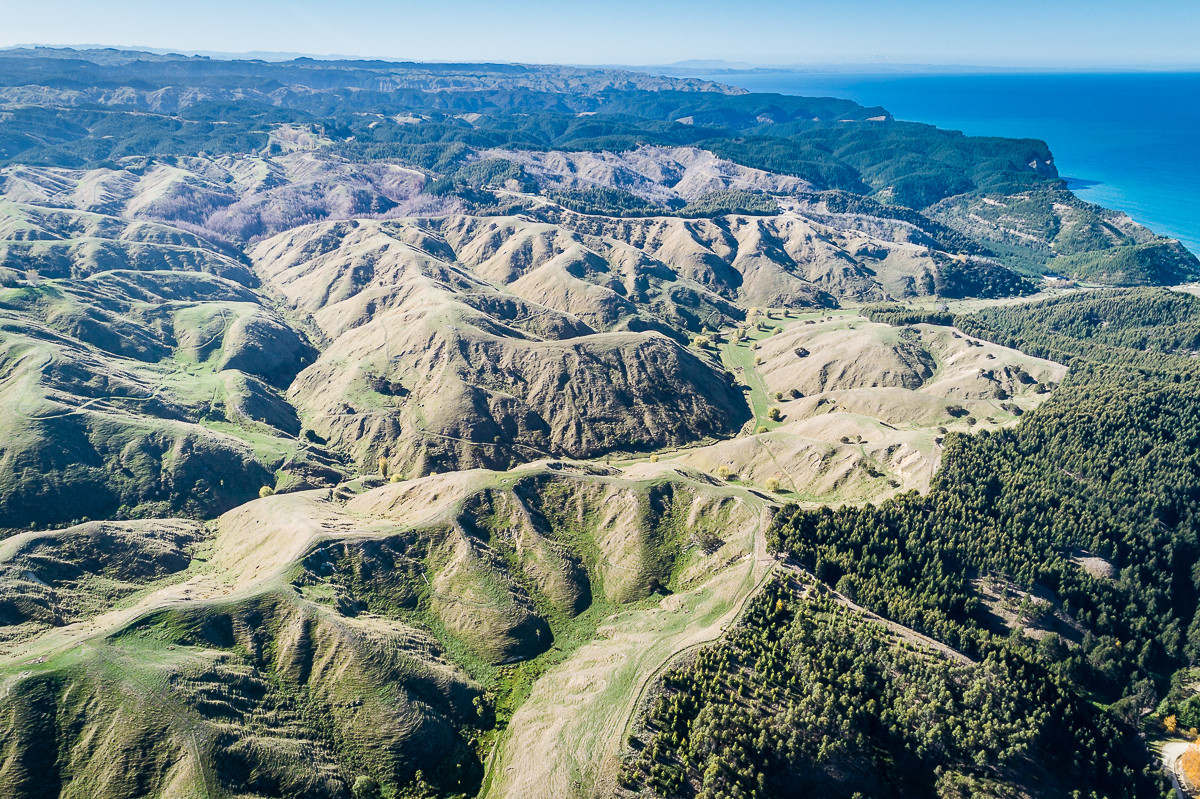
(137,104)
(804,698)
(1106,473)
(857,158)
(1108,466)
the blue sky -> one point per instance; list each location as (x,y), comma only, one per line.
(1003,32)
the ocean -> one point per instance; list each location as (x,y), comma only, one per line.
(1124,141)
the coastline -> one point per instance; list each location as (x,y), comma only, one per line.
(1124,140)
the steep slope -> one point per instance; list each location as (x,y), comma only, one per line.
(658,174)
(141,373)
(513,618)
(56,243)
(1057,231)
(481,311)
(802,256)
(792,680)
(52,579)
(267,698)
(317,643)
(435,368)
(227,197)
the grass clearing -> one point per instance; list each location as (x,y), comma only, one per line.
(564,739)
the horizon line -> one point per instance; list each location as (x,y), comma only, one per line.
(712,66)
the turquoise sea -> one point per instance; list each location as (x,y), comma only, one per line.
(1126,141)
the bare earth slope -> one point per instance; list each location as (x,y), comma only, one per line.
(435,368)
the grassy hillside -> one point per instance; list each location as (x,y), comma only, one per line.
(384,645)
(140,387)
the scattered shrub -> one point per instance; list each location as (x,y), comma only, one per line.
(366,788)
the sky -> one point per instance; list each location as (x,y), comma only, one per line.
(1025,33)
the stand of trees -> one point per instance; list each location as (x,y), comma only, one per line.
(805,698)
(1107,468)
(1086,513)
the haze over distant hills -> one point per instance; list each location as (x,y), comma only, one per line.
(249,55)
